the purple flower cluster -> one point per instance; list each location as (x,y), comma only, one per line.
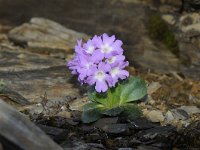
(100,62)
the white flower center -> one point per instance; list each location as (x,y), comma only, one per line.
(105,48)
(90,49)
(88,65)
(111,60)
(99,75)
(115,71)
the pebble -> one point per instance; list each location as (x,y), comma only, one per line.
(169,19)
(154,115)
(64,114)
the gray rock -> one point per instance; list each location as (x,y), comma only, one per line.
(154,115)
(35,77)
(180,114)
(116,128)
(105,121)
(110,125)
(190,109)
(125,149)
(21,132)
(188,36)
(46,36)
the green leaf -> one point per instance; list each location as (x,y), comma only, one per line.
(134,89)
(91,112)
(113,112)
(131,111)
(90,116)
(92,105)
(93,96)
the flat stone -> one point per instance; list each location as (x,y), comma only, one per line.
(45,36)
(64,114)
(160,134)
(36,77)
(190,109)
(141,124)
(154,115)
(56,134)
(115,128)
(179,114)
(105,121)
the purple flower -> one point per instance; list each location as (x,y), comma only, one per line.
(100,77)
(100,62)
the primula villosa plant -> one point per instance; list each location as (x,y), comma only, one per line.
(101,64)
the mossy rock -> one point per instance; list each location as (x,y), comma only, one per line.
(159,30)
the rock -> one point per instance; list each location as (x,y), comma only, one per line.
(105,121)
(154,115)
(64,114)
(1,146)
(93,137)
(78,103)
(169,117)
(36,77)
(190,135)
(180,114)
(21,132)
(12,97)
(153,87)
(190,109)
(116,128)
(141,124)
(145,147)
(169,19)
(188,36)
(161,136)
(110,125)
(46,36)
(56,134)
(125,148)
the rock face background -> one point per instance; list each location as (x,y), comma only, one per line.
(161,41)
(129,20)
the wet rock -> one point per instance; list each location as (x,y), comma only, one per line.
(46,36)
(154,115)
(21,132)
